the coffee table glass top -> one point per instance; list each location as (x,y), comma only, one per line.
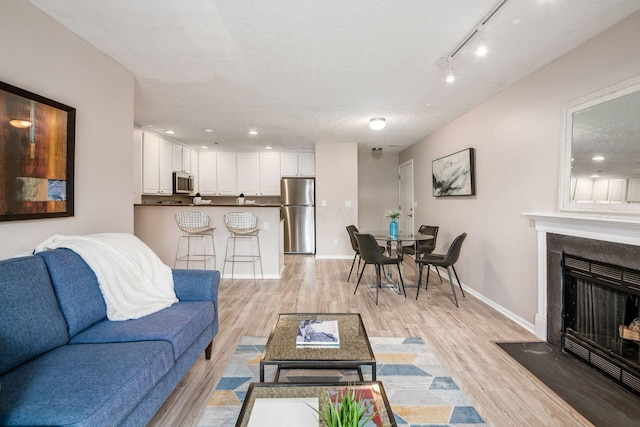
(354,343)
(271,390)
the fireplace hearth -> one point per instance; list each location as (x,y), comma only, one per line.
(600,308)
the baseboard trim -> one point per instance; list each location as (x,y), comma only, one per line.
(500,309)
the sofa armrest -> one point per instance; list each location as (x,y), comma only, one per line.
(196,285)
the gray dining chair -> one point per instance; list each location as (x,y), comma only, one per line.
(352,229)
(446,260)
(370,254)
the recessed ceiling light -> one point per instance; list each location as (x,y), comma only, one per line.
(597,158)
(147,126)
(253,132)
(377,123)
(268,147)
(170,132)
(208,130)
(595,176)
(204,147)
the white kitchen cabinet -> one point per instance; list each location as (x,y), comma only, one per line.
(617,190)
(194,169)
(181,158)
(297,164)
(633,191)
(156,165)
(227,174)
(584,190)
(269,174)
(306,164)
(208,173)
(600,191)
(248,173)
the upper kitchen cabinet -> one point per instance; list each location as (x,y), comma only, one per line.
(156,165)
(269,174)
(297,164)
(227,174)
(248,173)
(181,158)
(208,173)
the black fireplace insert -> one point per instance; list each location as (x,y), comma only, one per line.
(601,318)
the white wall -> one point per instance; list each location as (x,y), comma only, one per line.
(377,189)
(41,56)
(336,183)
(517,137)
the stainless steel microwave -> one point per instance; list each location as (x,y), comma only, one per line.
(182,183)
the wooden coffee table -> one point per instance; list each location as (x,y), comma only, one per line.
(373,389)
(353,353)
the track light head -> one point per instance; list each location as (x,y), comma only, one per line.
(450,76)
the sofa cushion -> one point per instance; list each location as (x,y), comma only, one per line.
(83,384)
(77,289)
(179,324)
(31,322)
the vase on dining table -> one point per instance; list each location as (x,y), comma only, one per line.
(393,229)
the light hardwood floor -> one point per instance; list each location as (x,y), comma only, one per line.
(504,393)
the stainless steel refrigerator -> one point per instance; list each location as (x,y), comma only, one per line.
(297,197)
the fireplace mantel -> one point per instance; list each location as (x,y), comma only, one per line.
(624,230)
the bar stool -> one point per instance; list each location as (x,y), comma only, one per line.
(242,225)
(195,225)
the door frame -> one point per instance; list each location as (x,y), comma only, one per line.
(406,196)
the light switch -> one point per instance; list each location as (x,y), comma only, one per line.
(324,203)
(347,203)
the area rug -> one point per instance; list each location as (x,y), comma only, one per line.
(419,389)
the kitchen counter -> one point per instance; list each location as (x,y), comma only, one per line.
(217,204)
(158,229)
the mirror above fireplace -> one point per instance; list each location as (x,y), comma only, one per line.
(600,169)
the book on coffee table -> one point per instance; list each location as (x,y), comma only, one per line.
(318,334)
(297,411)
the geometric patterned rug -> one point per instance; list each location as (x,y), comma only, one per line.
(419,389)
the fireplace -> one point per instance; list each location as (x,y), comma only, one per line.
(600,305)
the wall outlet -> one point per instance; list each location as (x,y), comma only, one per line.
(347,203)
(335,242)
(265,225)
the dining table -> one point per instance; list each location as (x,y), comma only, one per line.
(397,241)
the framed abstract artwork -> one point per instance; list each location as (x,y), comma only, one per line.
(454,175)
(37,140)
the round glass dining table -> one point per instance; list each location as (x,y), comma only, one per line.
(400,239)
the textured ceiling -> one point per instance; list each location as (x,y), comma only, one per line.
(301,72)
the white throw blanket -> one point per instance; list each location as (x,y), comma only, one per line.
(133,280)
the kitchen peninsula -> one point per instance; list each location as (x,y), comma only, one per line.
(154,224)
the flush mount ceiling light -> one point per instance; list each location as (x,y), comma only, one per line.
(253,132)
(477,30)
(377,123)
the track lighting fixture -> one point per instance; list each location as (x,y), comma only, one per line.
(450,76)
(479,31)
(482,48)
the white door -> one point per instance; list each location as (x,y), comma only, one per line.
(405,191)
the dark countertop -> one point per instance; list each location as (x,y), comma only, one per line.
(212,205)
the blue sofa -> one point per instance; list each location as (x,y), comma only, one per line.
(62,362)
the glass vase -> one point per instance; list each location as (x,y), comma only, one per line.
(393,229)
